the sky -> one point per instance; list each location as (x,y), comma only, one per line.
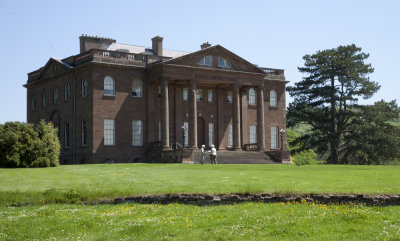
(273,34)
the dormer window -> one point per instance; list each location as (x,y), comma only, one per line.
(207,61)
(223,63)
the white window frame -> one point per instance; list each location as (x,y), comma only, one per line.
(185,94)
(230,135)
(109,86)
(253,134)
(274,137)
(206,61)
(223,63)
(210,95)
(109,132)
(273,98)
(229,97)
(137,133)
(137,88)
(83,133)
(84,87)
(210,134)
(252,97)
(199,95)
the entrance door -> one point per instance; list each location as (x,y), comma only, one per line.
(200,132)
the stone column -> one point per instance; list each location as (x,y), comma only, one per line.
(260,118)
(164,114)
(192,115)
(236,118)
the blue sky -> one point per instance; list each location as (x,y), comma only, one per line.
(274,34)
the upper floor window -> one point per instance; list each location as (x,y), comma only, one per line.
(185,94)
(205,61)
(223,63)
(66,134)
(210,95)
(273,99)
(199,94)
(252,96)
(44,98)
(229,95)
(109,86)
(55,95)
(33,101)
(137,88)
(84,87)
(66,92)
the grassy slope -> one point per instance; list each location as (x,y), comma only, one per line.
(91,182)
(248,221)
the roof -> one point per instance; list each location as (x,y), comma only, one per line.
(134,49)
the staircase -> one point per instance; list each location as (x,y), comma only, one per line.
(238,157)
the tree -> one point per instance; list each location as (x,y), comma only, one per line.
(328,95)
(24,145)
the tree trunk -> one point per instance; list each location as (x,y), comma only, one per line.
(334,159)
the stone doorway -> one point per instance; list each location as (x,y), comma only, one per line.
(200,132)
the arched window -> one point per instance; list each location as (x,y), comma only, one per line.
(66,92)
(205,61)
(137,88)
(109,86)
(55,95)
(84,87)
(223,63)
(252,96)
(44,98)
(273,99)
(33,100)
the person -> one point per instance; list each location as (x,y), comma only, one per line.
(203,154)
(213,155)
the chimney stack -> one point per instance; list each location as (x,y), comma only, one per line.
(157,45)
(91,42)
(205,45)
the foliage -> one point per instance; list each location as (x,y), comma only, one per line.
(327,100)
(26,145)
(304,157)
(91,183)
(246,221)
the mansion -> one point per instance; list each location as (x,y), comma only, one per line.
(125,103)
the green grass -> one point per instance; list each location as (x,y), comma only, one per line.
(66,184)
(249,221)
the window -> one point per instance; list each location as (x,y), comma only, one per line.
(66,92)
(66,134)
(210,95)
(137,88)
(252,96)
(199,95)
(185,94)
(223,63)
(137,133)
(274,137)
(210,134)
(55,95)
(109,132)
(33,100)
(109,86)
(230,135)
(273,98)
(44,98)
(84,87)
(186,134)
(229,97)
(159,131)
(83,133)
(205,61)
(253,134)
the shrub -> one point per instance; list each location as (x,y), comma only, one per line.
(26,145)
(307,157)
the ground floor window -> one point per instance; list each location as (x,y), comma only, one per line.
(159,131)
(274,137)
(253,134)
(186,134)
(83,133)
(109,132)
(230,135)
(66,134)
(137,133)
(210,134)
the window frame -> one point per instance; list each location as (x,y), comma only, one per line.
(84,86)
(210,133)
(186,134)
(229,96)
(210,93)
(199,93)
(252,134)
(44,99)
(223,63)
(66,135)
(206,61)
(110,132)
(274,131)
(137,138)
(112,84)
(83,133)
(230,135)
(273,98)
(185,94)
(55,95)
(67,92)
(252,96)
(137,88)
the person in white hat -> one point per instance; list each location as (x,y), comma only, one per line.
(213,155)
(203,154)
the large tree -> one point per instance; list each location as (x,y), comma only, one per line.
(327,97)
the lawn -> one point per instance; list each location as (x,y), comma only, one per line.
(92,182)
(247,221)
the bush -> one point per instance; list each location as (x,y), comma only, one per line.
(307,157)
(26,145)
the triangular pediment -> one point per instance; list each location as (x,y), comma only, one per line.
(215,57)
(53,67)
